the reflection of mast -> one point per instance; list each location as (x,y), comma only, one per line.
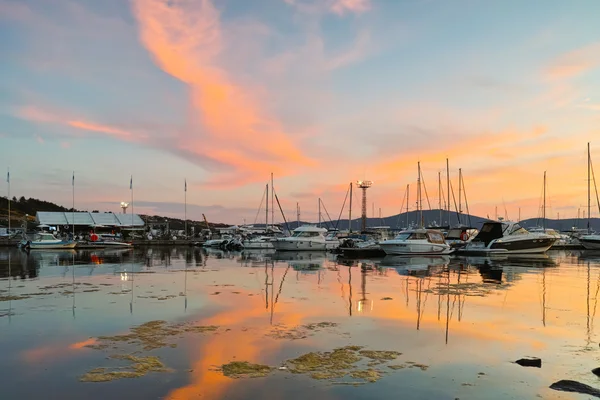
(73,282)
(266,285)
(448,304)
(9,285)
(544,296)
(588,304)
(350,290)
(419,291)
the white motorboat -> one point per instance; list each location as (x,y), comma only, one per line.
(505,236)
(417,241)
(45,240)
(590,242)
(260,242)
(306,237)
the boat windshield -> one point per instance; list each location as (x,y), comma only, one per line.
(402,236)
(518,230)
(454,234)
(411,236)
(436,237)
(305,234)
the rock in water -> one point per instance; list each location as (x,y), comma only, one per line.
(574,386)
(530,362)
(596,371)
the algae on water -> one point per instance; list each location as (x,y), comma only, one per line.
(139,366)
(244,369)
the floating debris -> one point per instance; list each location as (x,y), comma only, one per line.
(379,354)
(140,366)
(153,335)
(244,369)
(396,366)
(298,332)
(12,297)
(465,289)
(369,375)
(387,298)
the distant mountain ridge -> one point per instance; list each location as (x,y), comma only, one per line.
(432,217)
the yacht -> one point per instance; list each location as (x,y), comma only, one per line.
(505,236)
(590,242)
(46,240)
(416,241)
(305,237)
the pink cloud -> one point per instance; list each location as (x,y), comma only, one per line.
(576,62)
(340,7)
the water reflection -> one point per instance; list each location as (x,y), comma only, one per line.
(459,315)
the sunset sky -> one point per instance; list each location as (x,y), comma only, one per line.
(319,92)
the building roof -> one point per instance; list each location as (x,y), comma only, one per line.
(88,219)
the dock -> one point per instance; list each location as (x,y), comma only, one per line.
(136,243)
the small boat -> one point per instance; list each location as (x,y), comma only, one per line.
(505,236)
(590,242)
(305,237)
(417,241)
(45,240)
(356,248)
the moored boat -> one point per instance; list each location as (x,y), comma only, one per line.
(590,242)
(305,237)
(45,240)
(505,236)
(417,241)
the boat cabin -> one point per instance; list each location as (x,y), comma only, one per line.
(307,231)
(496,230)
(432,236)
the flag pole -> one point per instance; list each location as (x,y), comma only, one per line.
(185,208)
(73,211)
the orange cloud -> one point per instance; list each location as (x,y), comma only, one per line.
(227,122)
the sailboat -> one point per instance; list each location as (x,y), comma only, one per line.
(420,240)
(591,241)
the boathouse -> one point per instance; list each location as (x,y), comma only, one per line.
(87,220)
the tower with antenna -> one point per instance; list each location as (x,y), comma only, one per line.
(364,185)
(124,207)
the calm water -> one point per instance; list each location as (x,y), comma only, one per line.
(467,319)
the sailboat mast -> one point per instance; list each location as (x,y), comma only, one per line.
(448,188)
(419,196)
(589,193)
(440,196)
(319,213)
(267,208)
(272,202)
(407,200)
(459,193)
(297,214)
(544,206)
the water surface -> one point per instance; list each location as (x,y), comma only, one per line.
(465,320)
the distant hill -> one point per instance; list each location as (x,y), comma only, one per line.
(432,218)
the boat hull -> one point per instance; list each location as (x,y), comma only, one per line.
(298,245)
(404,248)
(529,246)
(258,245)
(51,246)
(590,243)
(362,252)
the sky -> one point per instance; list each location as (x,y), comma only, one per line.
(321,93)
